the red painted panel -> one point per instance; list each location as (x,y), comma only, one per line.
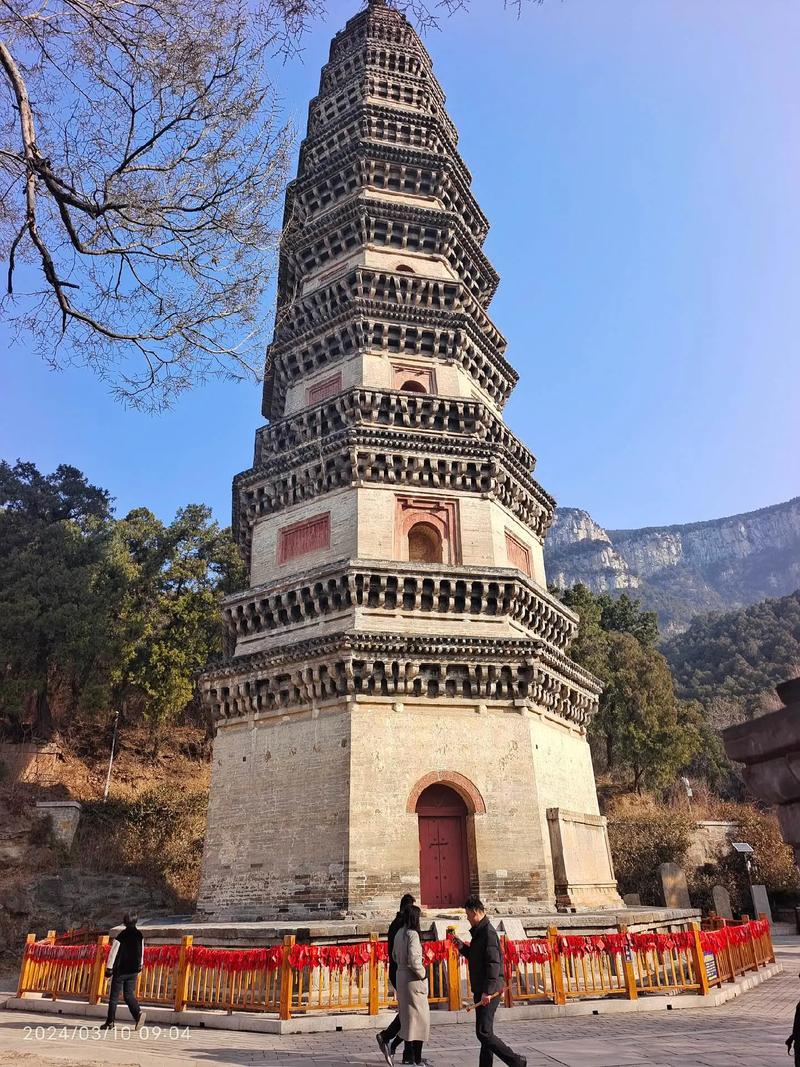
(322,390)
(302,537)
(518,554)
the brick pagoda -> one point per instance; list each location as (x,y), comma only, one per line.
(398,711)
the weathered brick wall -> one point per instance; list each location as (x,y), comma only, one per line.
(562,765)
(565,779)
(393,750)
(264,566)
(309,815)
(277,835)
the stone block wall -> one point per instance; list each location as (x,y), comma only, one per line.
(278,829)
(317,813)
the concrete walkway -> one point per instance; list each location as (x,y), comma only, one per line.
(746,1032)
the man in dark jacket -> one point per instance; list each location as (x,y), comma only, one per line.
(486,981)
(123,965)
(794,1037)
(389,1039)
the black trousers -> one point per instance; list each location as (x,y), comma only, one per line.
(392,1030)
(125,984)
(391,1035)
(491,1045)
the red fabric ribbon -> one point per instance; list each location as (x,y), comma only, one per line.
(651,940)
(67,955)
(331,957)
(714,941)
(435,952)
(590,945)
(516,952)
(233,961)
(717,941)
(161,955)
(615,944)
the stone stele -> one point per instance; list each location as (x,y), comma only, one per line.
(64,818)
(673,886)
(722,902)
(761,901)
(397,710)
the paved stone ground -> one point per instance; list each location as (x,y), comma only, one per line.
(747,1032)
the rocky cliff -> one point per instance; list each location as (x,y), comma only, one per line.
(680,571)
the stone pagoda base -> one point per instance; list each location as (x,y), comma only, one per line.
(256,934)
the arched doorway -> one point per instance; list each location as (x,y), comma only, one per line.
(443,857)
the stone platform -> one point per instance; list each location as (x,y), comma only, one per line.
(256,934)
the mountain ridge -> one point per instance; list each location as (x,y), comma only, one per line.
(619,532)
(683,569)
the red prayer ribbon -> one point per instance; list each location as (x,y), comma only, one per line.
(161,955)
(435,951)
(332,957)
(517,952)
(232,961)
(717,941)
(66,955)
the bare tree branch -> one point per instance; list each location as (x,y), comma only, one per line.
(146,158)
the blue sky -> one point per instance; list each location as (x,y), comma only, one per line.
(639,162)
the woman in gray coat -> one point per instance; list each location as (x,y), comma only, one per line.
(412,985)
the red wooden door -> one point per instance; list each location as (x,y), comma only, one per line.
(443,867)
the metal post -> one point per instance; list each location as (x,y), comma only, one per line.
(373,975)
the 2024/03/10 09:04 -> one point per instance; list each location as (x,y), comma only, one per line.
(93,1033)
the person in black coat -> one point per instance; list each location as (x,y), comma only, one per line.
(125,961)
(485,963)
(389,1039)
(794,1037)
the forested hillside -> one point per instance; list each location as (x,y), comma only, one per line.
(732,661)
(102,615)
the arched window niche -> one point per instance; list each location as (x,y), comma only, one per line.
(424,543)
(427,530)
(413,378)
(412,386)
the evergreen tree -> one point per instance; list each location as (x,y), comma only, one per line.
(100,615)
(641,730)
(55,613)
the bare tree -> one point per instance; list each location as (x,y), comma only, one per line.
(142,159)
